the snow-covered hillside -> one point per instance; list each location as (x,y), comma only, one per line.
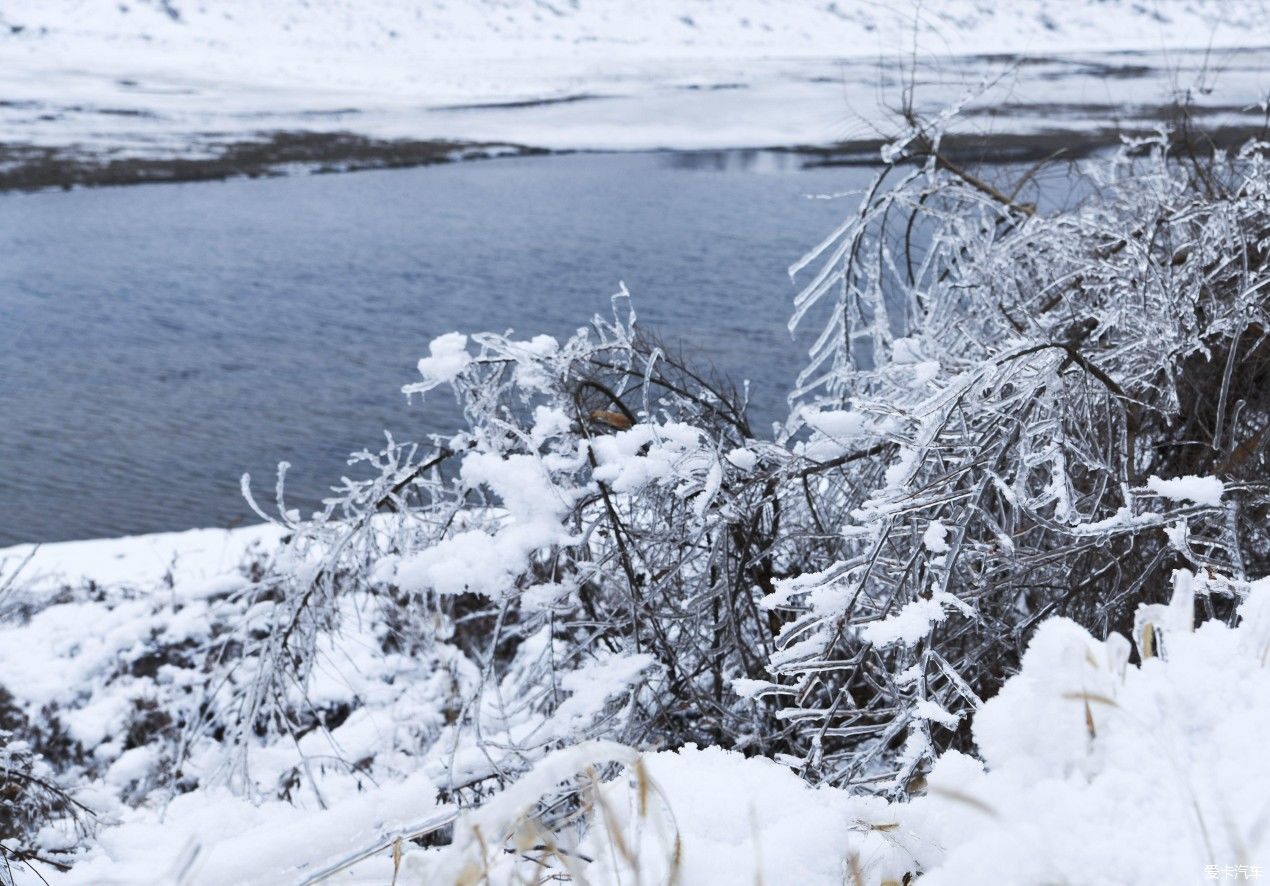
(181,78)
(292,38)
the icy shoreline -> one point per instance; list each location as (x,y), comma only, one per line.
(24,167)
(166,92)
(153,560)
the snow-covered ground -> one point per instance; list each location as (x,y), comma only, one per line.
(1093,770)
(175,77)
(143,561)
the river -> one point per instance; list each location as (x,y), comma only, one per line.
(157,341)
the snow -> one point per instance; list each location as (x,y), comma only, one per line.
(78,654)
(740,820)
(935,538)
(625,26)
(448,357)
(649,454)
(1097,771)
(700,816)
(214,837)
(742,458)
(838,422)
(484,562)
(196,560)
(596,681)
(1199,490)
(912,622)
(470,849)
(1087,767)
(747,688)
(130,78)
(907,350)
(929,710)
(1090,770)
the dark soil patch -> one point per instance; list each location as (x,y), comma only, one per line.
(1065,144)
(27,167)
(520,104)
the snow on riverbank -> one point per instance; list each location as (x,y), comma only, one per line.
(380,45)
(110,648)
(179,78)
(1095,769)
(193,557)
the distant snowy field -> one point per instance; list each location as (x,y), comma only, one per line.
(152,77)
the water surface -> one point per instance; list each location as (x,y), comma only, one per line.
(158,341)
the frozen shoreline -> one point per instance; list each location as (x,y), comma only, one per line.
(104,96)
(140,562)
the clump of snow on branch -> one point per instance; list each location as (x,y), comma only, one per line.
(1199,490)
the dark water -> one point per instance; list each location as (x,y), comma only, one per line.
(158,341)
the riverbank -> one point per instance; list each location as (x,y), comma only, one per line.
(170,92)
(28,167)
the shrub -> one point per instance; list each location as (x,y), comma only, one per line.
(988,432)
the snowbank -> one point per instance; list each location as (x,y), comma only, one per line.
(1101,772)
(189,558)
(1091,768)
(176,78)
(215,837)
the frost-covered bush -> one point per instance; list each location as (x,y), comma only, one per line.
(997,425)
(1092,769)
(598,532)
(1009,413)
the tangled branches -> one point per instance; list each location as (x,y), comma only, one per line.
(33,805)
(1026,382)
(990,431)
(599,527)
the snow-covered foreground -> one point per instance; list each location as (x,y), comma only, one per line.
(176,78)
(1091,769)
